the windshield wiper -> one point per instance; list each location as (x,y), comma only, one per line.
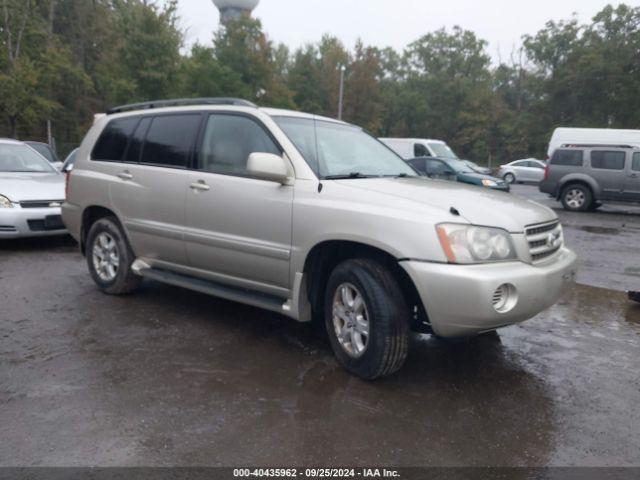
(346,176)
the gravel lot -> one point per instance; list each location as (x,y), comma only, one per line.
(172,377)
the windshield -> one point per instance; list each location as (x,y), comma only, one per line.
(20,158)
(459,166)
(335,150)
(442,150)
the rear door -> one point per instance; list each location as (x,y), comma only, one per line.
(238,227)
(150,184)
(632,182)
(536,171)
(608,168)
(521,169)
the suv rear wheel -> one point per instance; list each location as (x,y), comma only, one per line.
(109,257)
(577,197)
(367,318)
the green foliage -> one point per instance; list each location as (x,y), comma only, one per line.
(61,61)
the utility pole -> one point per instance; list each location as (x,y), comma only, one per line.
(341,99)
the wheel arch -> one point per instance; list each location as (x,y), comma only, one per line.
(91,215)
(326,255)
(578,179)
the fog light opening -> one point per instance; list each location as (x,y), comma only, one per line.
(504,298)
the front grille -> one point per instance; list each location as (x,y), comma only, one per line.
(8,228)
(544,240)
(39,203)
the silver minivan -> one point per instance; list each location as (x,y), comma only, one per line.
(309,217)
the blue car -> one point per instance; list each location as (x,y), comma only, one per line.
(455,171)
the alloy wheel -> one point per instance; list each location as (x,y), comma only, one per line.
(575,198)
(106,258)
(351,320)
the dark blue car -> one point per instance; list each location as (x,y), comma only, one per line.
(455,171)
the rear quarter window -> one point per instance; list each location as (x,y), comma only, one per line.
(636,162)
(571,158)
(114,139)
(608,160)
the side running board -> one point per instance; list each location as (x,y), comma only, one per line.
(249,297)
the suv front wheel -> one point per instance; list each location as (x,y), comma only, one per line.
(367,318)
(109,258)
(577,198)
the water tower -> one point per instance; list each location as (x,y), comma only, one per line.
(234,9)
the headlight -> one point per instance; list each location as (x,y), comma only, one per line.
(470,244)
(5,202)
(489,183)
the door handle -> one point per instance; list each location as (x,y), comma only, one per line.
(200,185)
(126,175)
(634,175)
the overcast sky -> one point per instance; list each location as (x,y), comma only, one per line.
(393,23)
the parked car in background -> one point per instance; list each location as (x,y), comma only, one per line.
(318,220)
(409,148)
(31,193)
(526,170)
(455,171)
(477,168)
(582,176)
(592,136)
(47,152)
(67,166)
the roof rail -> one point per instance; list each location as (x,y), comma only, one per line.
(597,145)
(181,102)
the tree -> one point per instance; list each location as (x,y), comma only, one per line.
(242,47)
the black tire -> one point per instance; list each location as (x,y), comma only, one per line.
(125,281)
(510,178)
(388,318)
(576,197)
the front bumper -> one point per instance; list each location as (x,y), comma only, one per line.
(20,222)
(502,188)
(458,298)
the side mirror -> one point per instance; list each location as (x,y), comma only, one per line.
(267,166)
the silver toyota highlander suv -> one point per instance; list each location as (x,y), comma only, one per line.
(309,217)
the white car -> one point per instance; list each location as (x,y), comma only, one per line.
(526,170)
(31,193)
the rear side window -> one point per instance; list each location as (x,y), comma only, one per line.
(419,164)
(636,162)
(169,140)
(137,140)
(572,158)
(114,139)
(608,160)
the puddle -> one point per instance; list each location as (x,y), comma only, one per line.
(596,230)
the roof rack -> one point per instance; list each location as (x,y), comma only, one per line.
(596,145)
(181,102)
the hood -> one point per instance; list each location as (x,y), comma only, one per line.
(478,206)
(22,186)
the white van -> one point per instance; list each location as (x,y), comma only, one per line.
(409,148)
(592,136)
